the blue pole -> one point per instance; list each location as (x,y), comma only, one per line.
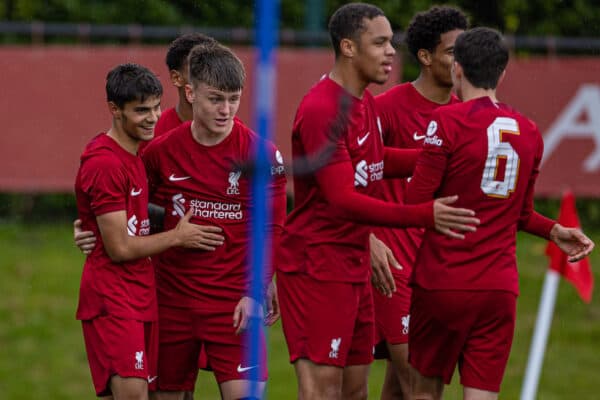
(266,40)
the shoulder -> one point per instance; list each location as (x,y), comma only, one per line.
(101,152)
(322,100)
(393,95)
(524,121)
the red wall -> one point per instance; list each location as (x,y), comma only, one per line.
(53,102)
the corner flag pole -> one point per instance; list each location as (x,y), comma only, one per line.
(540,335)
(266,14)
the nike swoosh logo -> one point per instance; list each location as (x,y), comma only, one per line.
(418,137)
(151,379)
(135,193)
(361,140)
(174,178)
(241,369)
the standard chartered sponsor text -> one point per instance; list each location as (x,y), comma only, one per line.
(216,209)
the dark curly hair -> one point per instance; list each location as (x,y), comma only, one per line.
(426,28)
(180,48)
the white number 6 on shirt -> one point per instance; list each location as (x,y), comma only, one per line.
(497,149)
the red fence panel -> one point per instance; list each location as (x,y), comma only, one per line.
(53,102)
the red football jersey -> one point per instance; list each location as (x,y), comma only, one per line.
(318,238)
(404,114)
(185,174)
(112,179)
(168,120)
(489,155)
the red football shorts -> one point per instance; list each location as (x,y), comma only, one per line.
(392,316)
(328,323)
(127,348)
(185,334)
(472,328)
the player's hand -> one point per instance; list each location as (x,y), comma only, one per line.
(572,241)
(85,240)
(381,259)
(272,301)
(451,220)
(204,237)
(246,310)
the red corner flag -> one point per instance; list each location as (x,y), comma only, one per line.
(578,273)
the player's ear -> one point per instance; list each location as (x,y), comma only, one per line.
(176,78)
(502,75)
(424,57)
(189,93)
(114,110)
(347,47)
(457,70)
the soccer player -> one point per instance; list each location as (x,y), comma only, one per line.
(176,61)
(117,297)
(464,292)
(323,266)
(405,110)
(202,166)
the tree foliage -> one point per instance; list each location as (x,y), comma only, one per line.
(532,17)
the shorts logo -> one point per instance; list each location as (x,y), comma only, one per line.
(335,347)
(139,360)
(132,226)
(178,205)
(241,369)
(405,322)
(234,186)
(152,378)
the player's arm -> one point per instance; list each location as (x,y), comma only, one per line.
(400,163)
(120,246)
(278,210)
(337,184)
(84,240)
(382,258)
(279,207)
(426,181)
(572,241)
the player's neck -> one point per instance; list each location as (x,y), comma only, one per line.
(128,143)
(432,91)
(469,92)
(207,138)
(345,76)
(183,108)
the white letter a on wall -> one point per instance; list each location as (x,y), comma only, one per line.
(570,125)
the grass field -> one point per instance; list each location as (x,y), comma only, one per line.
(42,354)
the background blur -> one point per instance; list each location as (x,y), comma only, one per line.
(54,56)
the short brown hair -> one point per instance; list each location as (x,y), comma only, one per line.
(216,66)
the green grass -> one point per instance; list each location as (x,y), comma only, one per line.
(42,353)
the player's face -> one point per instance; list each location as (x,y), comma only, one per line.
(214,109)
(374,51)
(443,57)
(456,72)
(137,119)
